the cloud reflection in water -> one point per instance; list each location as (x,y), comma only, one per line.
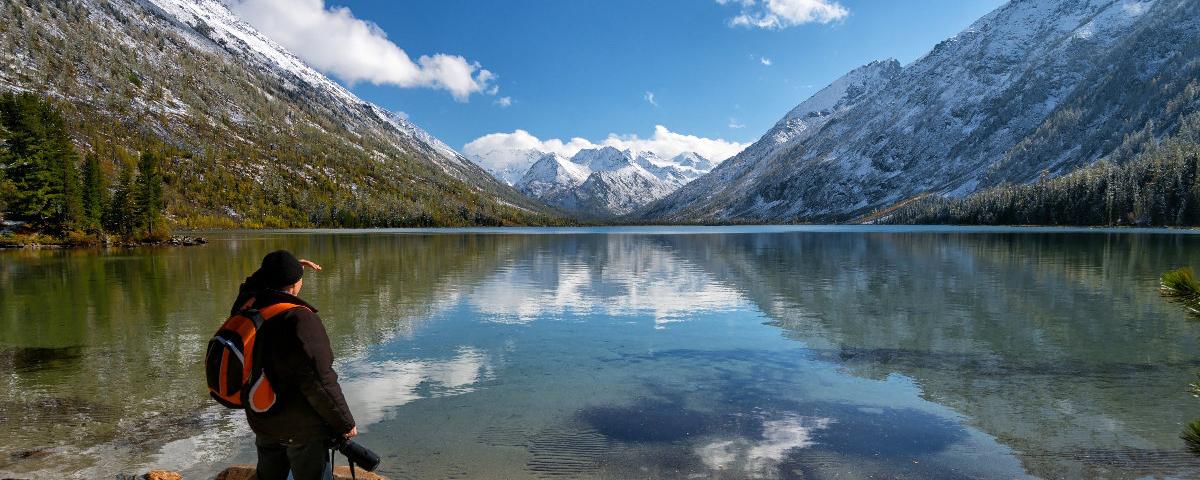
(374,388)
(757,458)
(634,278)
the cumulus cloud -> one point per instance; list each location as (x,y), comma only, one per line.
(765,61)
(504,102)
(333,40)
(650,98)
(734,123)
(774,14)
(503,150)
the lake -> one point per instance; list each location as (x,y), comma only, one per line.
(741,352)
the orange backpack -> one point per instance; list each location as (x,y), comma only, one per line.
(235,377)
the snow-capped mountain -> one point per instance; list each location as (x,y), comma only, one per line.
(610,193)
(676,170)
(1034,86)
(603,159)
(552,174)
(693,160)
(196,77)
(507,165)
(607,182)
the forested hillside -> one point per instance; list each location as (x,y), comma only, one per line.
(1158,187)
(45,187)
(243,141)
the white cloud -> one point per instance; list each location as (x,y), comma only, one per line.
(500,151)
(504,102)
(497,151)
(734,123)
(765,61)
(667,144)
(785,13)
(335,41)
(650,98)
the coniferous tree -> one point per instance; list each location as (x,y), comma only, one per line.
(94,193)
(69,216)
(40,162)
(149,197)
(7,189)
(119,218)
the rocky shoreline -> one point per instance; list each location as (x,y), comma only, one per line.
(246,472)
(40,243)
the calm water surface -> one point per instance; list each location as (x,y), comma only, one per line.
(819,352)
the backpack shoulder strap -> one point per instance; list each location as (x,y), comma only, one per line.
(277,309)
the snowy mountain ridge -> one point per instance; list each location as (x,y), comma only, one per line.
(233,107)
(1034,86)
(797,125)
(214,20)
(606,181)
(551,174)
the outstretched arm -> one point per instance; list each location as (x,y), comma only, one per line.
(306,263)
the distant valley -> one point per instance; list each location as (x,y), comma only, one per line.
(604,182)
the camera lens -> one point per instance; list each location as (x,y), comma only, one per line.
(359,455)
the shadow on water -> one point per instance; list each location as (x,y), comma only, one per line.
(653,420)
(32,359)
(983,365)
(742,416)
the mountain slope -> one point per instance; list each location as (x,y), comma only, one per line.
(255,137)
(729,178)
(1035,86)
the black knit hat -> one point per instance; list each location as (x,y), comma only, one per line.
(280,269)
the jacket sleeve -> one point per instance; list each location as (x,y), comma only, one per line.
(247,290)
(317,380)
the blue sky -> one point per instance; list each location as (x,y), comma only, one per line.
(585,68)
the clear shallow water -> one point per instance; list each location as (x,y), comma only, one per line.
(778,352)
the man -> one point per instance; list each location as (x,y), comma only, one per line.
(293,348)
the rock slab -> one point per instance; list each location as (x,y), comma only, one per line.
(246,472)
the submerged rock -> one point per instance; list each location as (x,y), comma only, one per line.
(188,241)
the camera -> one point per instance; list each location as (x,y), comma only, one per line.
(358,455)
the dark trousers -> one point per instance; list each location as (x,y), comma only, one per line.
(307,460)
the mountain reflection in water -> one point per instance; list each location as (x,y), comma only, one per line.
(618,353)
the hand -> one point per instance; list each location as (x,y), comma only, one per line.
(309,264)
(352,433)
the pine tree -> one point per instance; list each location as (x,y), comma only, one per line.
(119,218)
(94,192)
(69,214)
(149,198)
(7,189)
(40,162)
